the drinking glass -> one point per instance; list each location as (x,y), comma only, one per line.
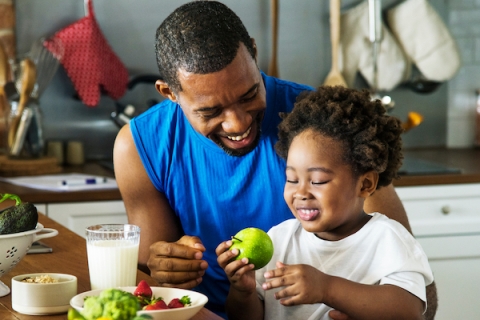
(112,251)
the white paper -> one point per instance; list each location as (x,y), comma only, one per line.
(53,182)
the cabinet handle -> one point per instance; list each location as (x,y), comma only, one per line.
(446,209)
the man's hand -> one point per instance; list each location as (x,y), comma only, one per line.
(178,264)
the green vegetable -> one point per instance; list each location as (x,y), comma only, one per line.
(23,216)
(112,304)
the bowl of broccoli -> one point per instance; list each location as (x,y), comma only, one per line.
(124,304)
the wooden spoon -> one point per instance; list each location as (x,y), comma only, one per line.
(272,67)
(4,110)
(334,77)
(28,80)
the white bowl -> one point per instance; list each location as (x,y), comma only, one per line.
(198,301)
(14,246)
(43,298)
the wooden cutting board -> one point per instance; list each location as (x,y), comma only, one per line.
(23,167)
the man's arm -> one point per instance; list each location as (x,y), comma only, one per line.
(146,207)
(386,200)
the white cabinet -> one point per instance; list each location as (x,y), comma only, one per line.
(77,216)
(446,221)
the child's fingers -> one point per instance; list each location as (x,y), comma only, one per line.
(222,247)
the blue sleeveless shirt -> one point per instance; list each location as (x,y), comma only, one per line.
(213,194)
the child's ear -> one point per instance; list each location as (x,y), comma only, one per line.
(369,183)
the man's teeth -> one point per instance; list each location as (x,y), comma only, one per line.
(243,136)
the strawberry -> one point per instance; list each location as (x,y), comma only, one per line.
(156,305)
(143,292)
(179,303)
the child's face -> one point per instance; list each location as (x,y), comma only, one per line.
(321,190)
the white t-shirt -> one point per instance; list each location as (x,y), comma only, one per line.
(382,252)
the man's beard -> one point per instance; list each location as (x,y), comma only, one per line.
(243,151)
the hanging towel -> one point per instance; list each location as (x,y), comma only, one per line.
(425,39)
(90,62)
(392,65)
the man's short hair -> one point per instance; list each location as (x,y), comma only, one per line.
(200,37)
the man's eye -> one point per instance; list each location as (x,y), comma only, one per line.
(210,113)
(249,98)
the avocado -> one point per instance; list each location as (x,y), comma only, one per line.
(23,216)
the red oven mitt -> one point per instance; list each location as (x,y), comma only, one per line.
(90,62)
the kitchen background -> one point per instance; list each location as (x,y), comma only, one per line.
(304,55)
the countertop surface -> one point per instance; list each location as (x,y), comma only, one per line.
(463,164)
(69,256)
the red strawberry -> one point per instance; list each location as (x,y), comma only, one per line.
(179,303)
(157,305)
(143,292)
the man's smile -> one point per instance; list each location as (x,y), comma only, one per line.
(240,137)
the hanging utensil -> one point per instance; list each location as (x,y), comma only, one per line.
(28,78)
(375,36)
(4,105)
(334,77)
(272,67)
(46,62)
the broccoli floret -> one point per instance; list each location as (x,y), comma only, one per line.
(111,303)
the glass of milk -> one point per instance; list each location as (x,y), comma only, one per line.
(112,251)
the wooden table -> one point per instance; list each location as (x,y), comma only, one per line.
(69,256)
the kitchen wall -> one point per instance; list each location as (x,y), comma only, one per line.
(303,55)
(465,26)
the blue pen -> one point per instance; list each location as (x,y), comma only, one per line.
(80,182)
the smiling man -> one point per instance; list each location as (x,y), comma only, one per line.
(201,165)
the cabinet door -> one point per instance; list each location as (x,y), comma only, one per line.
(41,208)
(455,263)
(77,216)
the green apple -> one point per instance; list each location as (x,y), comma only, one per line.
(254,244)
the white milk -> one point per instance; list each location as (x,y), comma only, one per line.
(112,263)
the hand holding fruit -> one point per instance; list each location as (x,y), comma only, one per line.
(178,264)
(250,249)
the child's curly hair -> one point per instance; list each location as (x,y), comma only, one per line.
(370,137)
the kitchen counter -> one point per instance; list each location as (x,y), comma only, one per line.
(45,196)
(69,256)
(466,160)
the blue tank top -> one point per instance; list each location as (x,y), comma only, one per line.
(213,194)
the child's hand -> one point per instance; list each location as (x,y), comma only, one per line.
(303,284)
(239,272)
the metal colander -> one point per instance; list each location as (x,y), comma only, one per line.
(13,247)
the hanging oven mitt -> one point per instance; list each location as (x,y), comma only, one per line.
(90,62)
(425,39)
(392,65)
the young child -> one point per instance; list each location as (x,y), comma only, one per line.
(339,148)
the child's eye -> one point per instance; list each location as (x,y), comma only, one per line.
(292,181)
(318,182)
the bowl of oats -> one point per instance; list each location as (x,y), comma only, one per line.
(43,293)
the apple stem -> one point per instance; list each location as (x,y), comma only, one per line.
(233,237)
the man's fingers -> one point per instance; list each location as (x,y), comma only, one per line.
(337,315)
(177,278)
(161,263)
(176,250)
(192,242)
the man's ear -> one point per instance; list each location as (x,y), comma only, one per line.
(164,89)
(368,183)
(254,44)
